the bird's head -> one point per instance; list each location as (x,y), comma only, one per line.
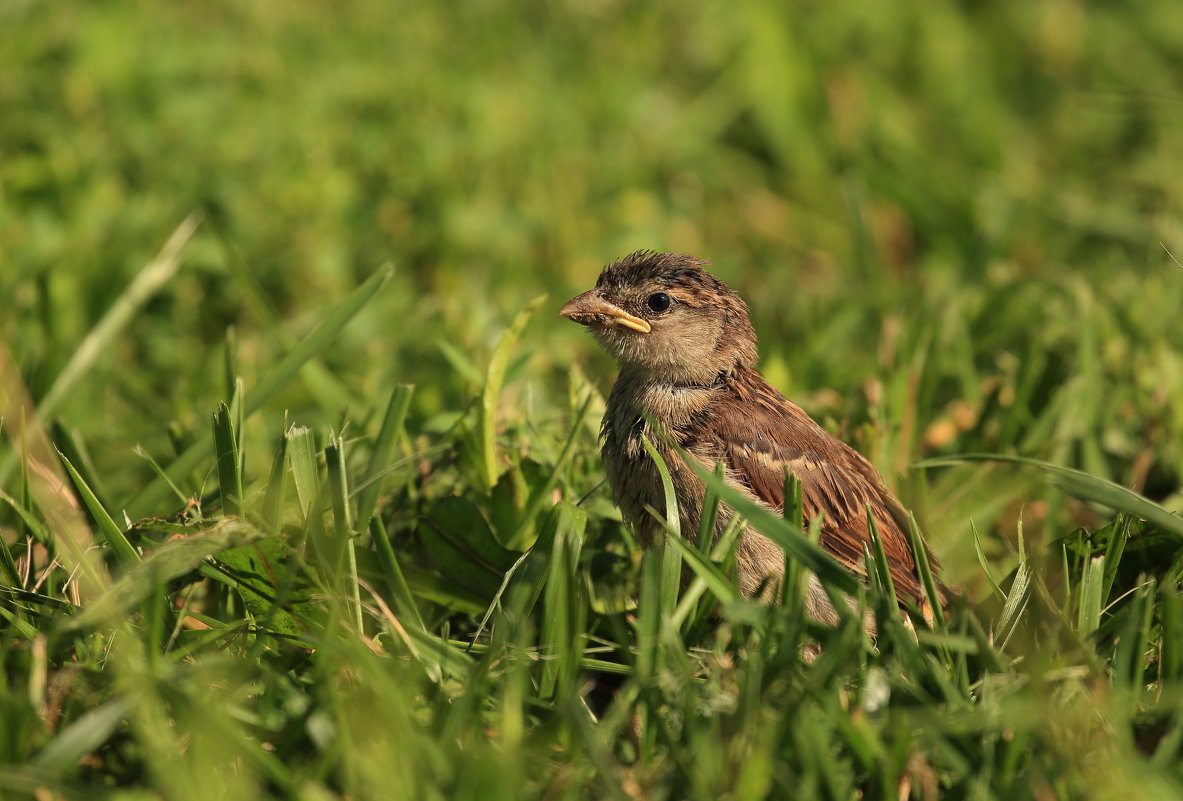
(664,314)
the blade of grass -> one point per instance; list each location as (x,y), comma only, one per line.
(338,477)
(396,582)
(671,561)
(717,583)
(564,624)
(70,443)
(229,462)
(491,393)
(710,514)
(23,628)
(924,569)
(1016,602)
(984,563)
(1129,659)
(460,362)
(305,472)
(230,360)
(649,613)
(384,445)
(1088,617)
(722,554)
(1120,529)
(161,475)
(125,554)
(882,567)
(1080,485)
(793,581)
(277,485)
(12,575)
(1171,633)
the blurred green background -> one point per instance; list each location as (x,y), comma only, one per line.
(950,219)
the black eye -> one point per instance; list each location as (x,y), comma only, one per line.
(658,302)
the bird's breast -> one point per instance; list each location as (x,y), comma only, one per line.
(634,410)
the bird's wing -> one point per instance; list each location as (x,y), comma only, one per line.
(759,435)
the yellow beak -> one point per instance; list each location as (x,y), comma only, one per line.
(590,308)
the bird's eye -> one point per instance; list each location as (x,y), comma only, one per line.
(658,302)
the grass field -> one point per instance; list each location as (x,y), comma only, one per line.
(300,494)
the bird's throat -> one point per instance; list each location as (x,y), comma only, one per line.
(672,404)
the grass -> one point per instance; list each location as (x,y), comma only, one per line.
(300,487)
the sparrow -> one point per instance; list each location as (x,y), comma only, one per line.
(687,352)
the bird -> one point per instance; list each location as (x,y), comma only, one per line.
(687,383)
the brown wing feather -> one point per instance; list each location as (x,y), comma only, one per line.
(759,434)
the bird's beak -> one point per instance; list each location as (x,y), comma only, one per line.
(590,308)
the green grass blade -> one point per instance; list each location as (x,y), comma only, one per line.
(125,554)
(305,469)
(1088,617)
(1120,529)
(23,628)
(28,516)
(441,655)
(71,444)
(383,452)
(882,568)
(338,478)
(491,393)
(161,474)
(710,514)
(338,483)
(273,500)
(984,563)
(649,615)
(460,362)
(1129,659)
(1016,602)
(793,584)
(229,461)
(230,361)
(1081,485)
(11,573)
(1171,633)
(717,583)
(924,570)
(671,561)
(396,582)
(564,622)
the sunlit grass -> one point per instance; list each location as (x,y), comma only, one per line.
(295,648)
(279,521)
